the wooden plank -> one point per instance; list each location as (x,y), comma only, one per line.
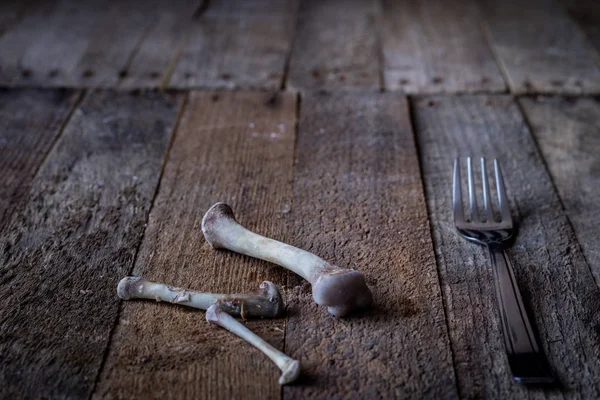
(358,202)
(62,256)
(30,123)
(46,48)
(157,54)
(540,48)
(434,46)
(25,37)
(81,44)
(557,286)
(245,48)
(242,8)
(11,12)
(587,15)
(568,135)
(234,147)
(118,29)
(336,45)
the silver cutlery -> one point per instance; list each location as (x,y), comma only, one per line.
(526,362)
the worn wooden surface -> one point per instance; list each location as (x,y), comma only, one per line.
(230,46)
(78,233)
(359,204)
(336,45)
(424,46)
(118,29)
(436,46)
(555,280)
(67,43)
(587,15)
(30,123)
(567,131)
(11,12)
(155,56)
(92,43)
(82,201)
(236,148)
(539,48)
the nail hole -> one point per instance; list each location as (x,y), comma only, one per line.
(485,79)
(214,97)
(527,85)
(315,73)
(273,100)
(188,75)
(226,76)
(87,73)
(437,80)
(53,73)
(123,73)
(154,75)
(26,73)
(342,78)
(404,81)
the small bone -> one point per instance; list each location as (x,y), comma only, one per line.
(341,290)
(290,368)
(265,303)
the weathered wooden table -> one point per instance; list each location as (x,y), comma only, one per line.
(328,125)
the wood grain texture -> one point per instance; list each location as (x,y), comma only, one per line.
(233,147)
(16,66)
(62,256)
(237,44)
(556,283)
(432,46)
(568,134)
(539,47)
(11,12)
(586,14)
(358,203)
(46,47)
(151,62)
(86,44)
(336,45)
(118,29)
(30,122)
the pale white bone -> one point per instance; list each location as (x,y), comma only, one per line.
(290,368)
(266,302)
(341,290)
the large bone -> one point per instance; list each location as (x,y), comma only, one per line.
(265,303)
(341,290)
(290,368)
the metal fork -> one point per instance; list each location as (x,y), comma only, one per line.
(526,362)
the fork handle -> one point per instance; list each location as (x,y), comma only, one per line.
(527,364)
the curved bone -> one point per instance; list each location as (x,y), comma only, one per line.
(290,368)
(341,290)
(265,303)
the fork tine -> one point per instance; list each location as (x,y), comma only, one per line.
(457,205)
(489,212)
(502,198)
(472,199)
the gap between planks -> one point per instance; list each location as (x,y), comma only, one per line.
(137,250)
